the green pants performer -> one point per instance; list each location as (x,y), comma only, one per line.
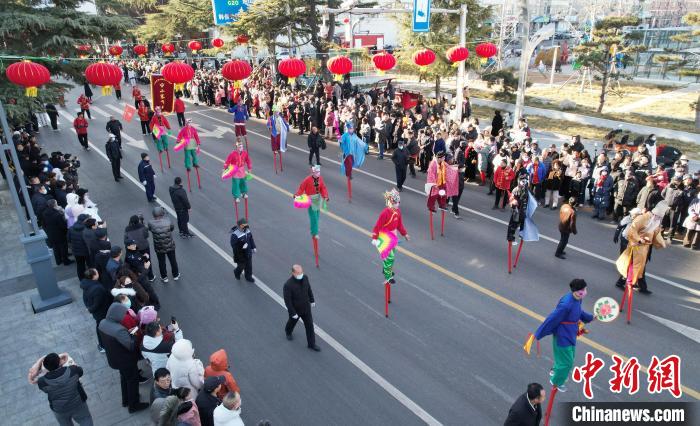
(314,186)
(389,221)
(563,325)
(239,159)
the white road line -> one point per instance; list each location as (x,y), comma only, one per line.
(478,213)
(494,388)
(342,350)
(689,332)
(690,307)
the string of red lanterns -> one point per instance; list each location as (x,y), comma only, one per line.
(29,75)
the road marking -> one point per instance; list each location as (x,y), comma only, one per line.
(689,332)
(467,282)
(690,307)
(476,212)
(337,346)
(494,388)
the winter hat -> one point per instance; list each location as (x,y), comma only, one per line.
(577,284)
(100,233)
(211,382)
(81,218)
(147,315)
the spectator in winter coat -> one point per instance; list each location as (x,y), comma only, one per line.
(207,401)
(567,225)
(138,232)
(56,229)
(185,370)
(122,354)
(62,385)
(502,178)
(178,409)
(39,201)
(97,300)
(90,240)
(672,195)
(162,385)
(229,412)
(78,246)
(626,195)
(114,262)
(692,225)
(182,207)
(157,345)
(602,188)
(72,209)
(218,366)
(162,230)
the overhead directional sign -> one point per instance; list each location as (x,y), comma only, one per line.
(421,16)
(225,11)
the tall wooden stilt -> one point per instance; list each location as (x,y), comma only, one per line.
(315,243)
(517,255)
(160,158)
(510,255)
(189,186)
(235,204)
(442,223)
(349,190)
(246,208)
(199,182)
(432,231)
(167,155)
(548,413)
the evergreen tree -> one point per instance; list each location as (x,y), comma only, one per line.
(690,68)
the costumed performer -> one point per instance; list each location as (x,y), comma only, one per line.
(239,159)
(240,116)
(390,220)
(278,127)
(442,180)
(157,126)
(353,149)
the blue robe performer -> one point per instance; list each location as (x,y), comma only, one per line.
(353,154)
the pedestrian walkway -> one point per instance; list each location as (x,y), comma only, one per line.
(648,100)
(27,337)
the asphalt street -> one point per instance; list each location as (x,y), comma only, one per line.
(449,353)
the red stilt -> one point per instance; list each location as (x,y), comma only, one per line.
(517,255)
(432,232)
(389,292)
(246,208)
(189,187)
(315,242)
(199,182)
(160,158)
(281,166)
(387,287)
(548,413)
(442,223)
(627,294)
(246,142)
(167,154)
(629,304)
(510,255)
(349,190)
(274,160)
(235,204)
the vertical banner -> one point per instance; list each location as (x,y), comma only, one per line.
(421,16)
(162,93)
(128,114)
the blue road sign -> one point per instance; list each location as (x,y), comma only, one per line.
(225,11)
(421,16)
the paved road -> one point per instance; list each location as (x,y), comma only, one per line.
(450,352)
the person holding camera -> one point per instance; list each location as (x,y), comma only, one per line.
(158,343)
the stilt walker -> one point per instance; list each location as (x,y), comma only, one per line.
(313,196)
(158,125)
(235,169)
(523,205)
(565,324)
(278,127)
(188,139)
(384,239)
(643,233)
(353,149)
(443,182)
(240,116)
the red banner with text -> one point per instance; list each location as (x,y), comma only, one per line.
(162,93)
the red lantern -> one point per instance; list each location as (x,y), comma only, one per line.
(236,71)
(168,48)
(140,50)
(105,75)
(384,62)
(218,43)
(423,58)
(194,45)
(28,74)
(457,54)
(486,50)
(83,47)
(115,50)
(242,39)
(291,68)
(339,65)
(178,74)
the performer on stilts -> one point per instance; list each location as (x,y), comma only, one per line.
(389,222)
(642,234)
(240,116)
(442,184)
(353,149)
(523,206)
(278,127)
(313,191)
(188,138)
(565,324)
(158,126)
(236,164)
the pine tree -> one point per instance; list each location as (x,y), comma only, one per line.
(690,68)
(48,35)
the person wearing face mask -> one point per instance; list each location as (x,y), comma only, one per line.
(147,177)
(243,246)
(692,225)
(240,160)
(299,299)
(389,220)
(564,326)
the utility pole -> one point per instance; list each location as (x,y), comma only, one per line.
(289,30)
(33,238)
(459,93)
(524,61)
(501,35)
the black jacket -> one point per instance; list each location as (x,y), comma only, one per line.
(206,403)
(298,296)
(400,158)
(146,172)
(121,348)
(238,240)
(178,195)
(91,243)
(39,204)
(522,414)
(95,298)
(112,150)
(63,388)
(55,226)
(60,196)
(75,238)
(315,141)
(162,230)
(139,233)
(114,127)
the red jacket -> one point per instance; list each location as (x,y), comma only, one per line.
(163,122)
(502,177)
(238,159)
(80,125)
(143,112)
(218,366)
(389,220)
(136,93)
(307,187)
(84,102)
(179,105)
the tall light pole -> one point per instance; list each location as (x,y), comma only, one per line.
(459,93)
(524,61)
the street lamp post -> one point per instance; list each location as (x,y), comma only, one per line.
(33,238)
